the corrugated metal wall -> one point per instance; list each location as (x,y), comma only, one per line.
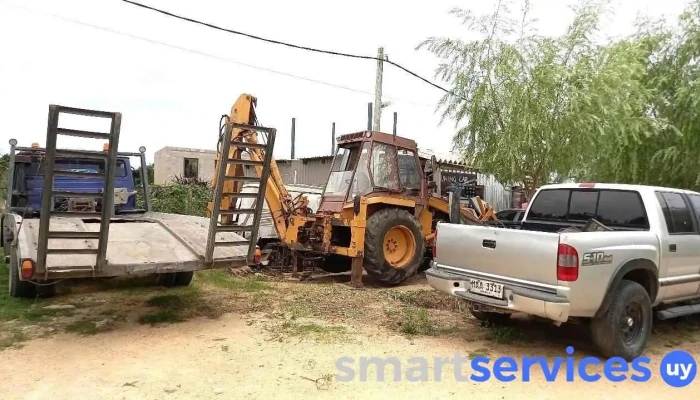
(312,171)
(497,195)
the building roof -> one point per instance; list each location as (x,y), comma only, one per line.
(187,150)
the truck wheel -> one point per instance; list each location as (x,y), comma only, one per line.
(18,288)
(46,291)
(625,328)
(394,245)
(184,278)
(485,316)
(167,279)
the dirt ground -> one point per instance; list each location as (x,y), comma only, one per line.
(272,337)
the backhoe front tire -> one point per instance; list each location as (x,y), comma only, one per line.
(394,245)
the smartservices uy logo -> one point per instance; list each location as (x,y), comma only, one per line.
(677,368)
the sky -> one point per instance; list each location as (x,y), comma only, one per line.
(172,80)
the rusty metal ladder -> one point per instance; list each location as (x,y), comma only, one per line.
(49,193)
(232,224)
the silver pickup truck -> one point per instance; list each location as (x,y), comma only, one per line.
(643,258)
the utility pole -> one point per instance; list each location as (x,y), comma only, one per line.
(294,120)
(378,90)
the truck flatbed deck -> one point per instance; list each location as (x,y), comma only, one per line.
(138,244)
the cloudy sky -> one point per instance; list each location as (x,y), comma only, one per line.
(172,80)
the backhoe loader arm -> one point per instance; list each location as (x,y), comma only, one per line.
(279,202)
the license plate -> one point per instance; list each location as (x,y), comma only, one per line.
(486,288)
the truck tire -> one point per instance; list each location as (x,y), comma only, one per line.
(18,288)
(175,279)
(623,331)
(492,317)
(184,278)
(167,279)
(394,245)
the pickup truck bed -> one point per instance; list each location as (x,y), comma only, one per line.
(138,244)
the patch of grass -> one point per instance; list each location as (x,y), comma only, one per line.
(430,299)
(297,309)
(166,301)
(309,329)
(481,352)
(415,321)
(179,305)
(27,310)
(160,317)
(503,334)
(221,279)
(83,327)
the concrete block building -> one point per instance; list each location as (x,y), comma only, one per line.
(171,162)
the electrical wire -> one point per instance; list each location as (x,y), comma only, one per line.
(330,52)
(208,55)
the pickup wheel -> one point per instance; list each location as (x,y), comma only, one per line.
(492,317)
(18,288)
(394,245)
(624,330)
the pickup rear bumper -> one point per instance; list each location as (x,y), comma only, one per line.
(515,298)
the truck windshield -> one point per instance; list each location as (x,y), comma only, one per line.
(344,163)
(76,165)
(614,208)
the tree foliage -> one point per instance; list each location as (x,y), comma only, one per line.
(669,156)
(531,107)
(179,198)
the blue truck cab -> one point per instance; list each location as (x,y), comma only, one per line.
(28,182)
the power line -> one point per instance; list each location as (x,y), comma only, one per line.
(200,53)
(331,52)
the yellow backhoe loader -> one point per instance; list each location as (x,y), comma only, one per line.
(377,212)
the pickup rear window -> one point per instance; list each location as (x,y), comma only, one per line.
(614,208)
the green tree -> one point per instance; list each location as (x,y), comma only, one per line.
(531,107)
(669,156)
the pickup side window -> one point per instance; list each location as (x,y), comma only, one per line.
(695,202)
(550,205)
(620,208)
(676,212)
(614,208)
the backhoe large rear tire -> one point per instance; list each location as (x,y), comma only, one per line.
(394,245)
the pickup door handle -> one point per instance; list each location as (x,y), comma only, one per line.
(488,243)
(672,248)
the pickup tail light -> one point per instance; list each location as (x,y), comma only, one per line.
(567,263)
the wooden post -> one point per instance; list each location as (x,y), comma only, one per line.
(356,273)
(297,264)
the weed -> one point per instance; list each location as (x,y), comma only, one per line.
(166,301)
(309,329)
(160,317)
(415,321)
(297,309)
(503,334)
(481,352)
(84,327)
